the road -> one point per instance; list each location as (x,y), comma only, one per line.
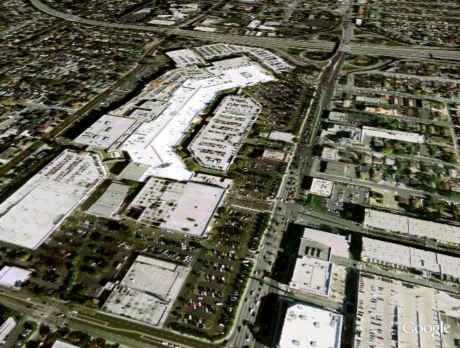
(395,93)
(379,186)
(55,313)
(281,211)
(269,42)
(61,127)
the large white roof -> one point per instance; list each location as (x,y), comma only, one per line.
(105,131)
(13,276)
(385,303)
(7,327)
(195,208)
(32,213)
(408,225)
(147,291)
(62,344)
(110,201)
(182,207)
(185,57)
(306,326)
(393,134)
(338,243)
(153,142)
(312,275)
(400,255)
(321,187)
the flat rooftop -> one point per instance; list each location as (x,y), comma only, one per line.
(312,275)
(110,201)
(343,134)
(187,92)
(182,207)
(307,326)
(6,328)
(385,305)
(13,276)
(105,132)
(147,291)
(264,56)
(407,225)
(339,244)
(212,180)
(185,57)
(217,144)
(401,256)
(274,155)
(62,344)
(321,187)
(134,171)
(34,211)
(281,136)
(393,134)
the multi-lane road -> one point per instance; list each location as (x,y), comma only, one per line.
(270,42)
(55,313)
(137,335)
(207,36)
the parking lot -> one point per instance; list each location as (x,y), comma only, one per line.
(263,178)
(205,305)
(342,193)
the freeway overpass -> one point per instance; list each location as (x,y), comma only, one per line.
(269,42)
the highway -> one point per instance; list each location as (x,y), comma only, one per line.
(269,42)
(55,313)
(137,335)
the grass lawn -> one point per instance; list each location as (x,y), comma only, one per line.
(237,20)
(343,80)
(315,201)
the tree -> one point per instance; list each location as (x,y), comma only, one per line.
(44,330)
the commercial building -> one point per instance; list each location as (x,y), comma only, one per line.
(339,245)
(321,187)
(312,275)
(371,132)
(389,311)
(6,328)
(147,291)
(34,211)
(186,92)
(313,267)
(217,144)
(400,256)
(265,57)
(111,200)
(307,326)
(106,131)
(331,154)
(13,277)
(443,233)
(212,180)
(275,155)
(62,344)
(185,57)
(342,134)
(281,136)
(176,206)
